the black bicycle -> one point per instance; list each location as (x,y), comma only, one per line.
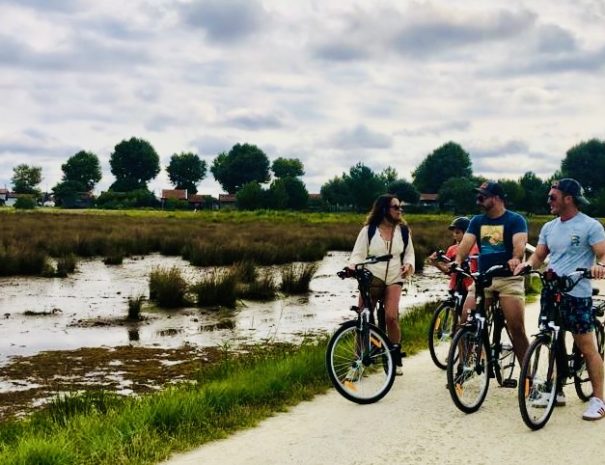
(360,359)
(446,317)
(547,365)
(481,348)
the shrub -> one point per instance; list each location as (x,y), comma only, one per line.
(135,304)
(217,289)
(25,203)
(245,271)
(66,265)
(262,288)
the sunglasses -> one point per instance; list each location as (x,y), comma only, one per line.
(396,207)
(481,198)
(552,197)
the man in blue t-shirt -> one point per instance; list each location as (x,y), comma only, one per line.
(573,240)
(501,236)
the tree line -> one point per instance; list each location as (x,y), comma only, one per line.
(247,172)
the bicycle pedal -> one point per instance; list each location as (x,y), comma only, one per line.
(509,383)
(404,354)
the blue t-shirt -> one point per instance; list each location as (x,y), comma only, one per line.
(570,245)
(495,237)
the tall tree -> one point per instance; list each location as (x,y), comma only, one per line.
(287,167)
(243,164)
(336,192)
(26,178)
(83,168)
(534,193)
(448,161)
(388,175)
(404,190)
(296,194)
(134,163)
(251,196)
(364,186)
(186,170)
(514,193)
(457,195)
(586,163)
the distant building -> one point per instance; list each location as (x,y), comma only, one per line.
(226,201)
(174,194)
(429,201)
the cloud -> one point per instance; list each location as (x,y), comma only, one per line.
(252,121)
(361,137)
(225,21)
(44,5)
(436,129)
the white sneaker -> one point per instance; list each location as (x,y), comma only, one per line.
(398,371)
(595,410)
(541,400)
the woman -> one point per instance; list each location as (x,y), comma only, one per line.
(385,232)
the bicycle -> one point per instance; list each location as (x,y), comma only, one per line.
(445,318)
(481,348)
(360,358)
(547,365)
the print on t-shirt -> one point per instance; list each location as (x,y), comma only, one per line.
(492,238)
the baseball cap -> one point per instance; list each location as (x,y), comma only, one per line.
(571,187)
(461,223)
(491,188)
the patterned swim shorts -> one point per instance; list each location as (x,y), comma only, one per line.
(576,314)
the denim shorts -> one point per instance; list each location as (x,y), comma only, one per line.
(576,314)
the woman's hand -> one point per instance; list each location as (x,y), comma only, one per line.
(406,270)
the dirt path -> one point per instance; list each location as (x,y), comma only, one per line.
(415,423)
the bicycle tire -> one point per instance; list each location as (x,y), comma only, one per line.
(581,379)
(503,357)
(536,393)
(441,330)
(359,375)
(468,382)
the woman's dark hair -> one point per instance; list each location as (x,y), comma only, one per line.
(381,209)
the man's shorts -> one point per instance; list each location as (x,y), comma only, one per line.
(509,286)
(576,314)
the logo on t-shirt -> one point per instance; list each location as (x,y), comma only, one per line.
(575,240)
(492,238)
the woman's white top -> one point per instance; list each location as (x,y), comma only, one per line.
(379,246)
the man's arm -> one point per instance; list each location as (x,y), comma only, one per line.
(519,241)
(536,259)
(465,247)
(598,270)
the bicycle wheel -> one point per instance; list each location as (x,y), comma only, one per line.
(581,379)
(538,383)
(441,330)
(504,358)
(360,373)
(467,370)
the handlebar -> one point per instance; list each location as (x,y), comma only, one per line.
(370,260)
(563,283)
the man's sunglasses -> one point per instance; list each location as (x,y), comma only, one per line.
(481,198)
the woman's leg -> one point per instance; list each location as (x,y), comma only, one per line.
(392,294)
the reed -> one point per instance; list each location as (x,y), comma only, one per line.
(295,278)
(66,265)
(262,288)
(135,305)
(245,271)
(167,287)
(218,288)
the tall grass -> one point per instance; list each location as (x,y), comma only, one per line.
(263,287)
(218,288)
(66,265)
(168,287)
(295,278)
(135,304)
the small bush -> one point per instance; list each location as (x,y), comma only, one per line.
(167,287)
(296,278)
(262,288)
(25,203)
(217,289)
(245,271)
(116,258)
(135,304)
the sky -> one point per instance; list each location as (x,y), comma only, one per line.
(330,82)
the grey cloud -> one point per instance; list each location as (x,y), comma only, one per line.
(427,36)
(160,122)
(340,52)
(555,39)
(580,61)
(500,149)
(45,5)
(361,137)
(212,145)
(436,129)
(225,22)
(253,121)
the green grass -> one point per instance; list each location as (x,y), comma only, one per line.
(104,429)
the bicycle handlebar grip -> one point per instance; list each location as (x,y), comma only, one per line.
(345,273)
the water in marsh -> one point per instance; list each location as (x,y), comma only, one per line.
(87,309)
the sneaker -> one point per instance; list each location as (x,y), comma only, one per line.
(398,370)
(352,376)
(595,410)
(541,400)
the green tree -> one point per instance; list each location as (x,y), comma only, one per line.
(290,193)
(585,162)
(277,195)
(388,175)
(83,168)
(243,164)
(134,163)
(458,195)
(287,167)
(26,178)
(185,171)
(514,193)
(335,192)
(448,161)
(534,193)
(67,192)
(364,186)
(404,190)
(251,196)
